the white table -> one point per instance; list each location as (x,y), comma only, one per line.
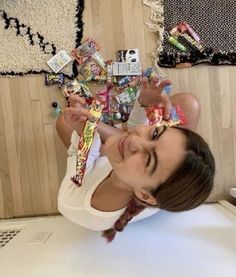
(197,243)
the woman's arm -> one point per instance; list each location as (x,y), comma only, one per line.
(76,116)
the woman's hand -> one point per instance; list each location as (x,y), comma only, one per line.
(77,114)
(152,94)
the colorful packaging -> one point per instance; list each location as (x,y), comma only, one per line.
(79,88)
(104,98)
(116,116)
(121,89)
(126,69)
(189,42)
(93,72)
(85,142)
(182,28)
(147,72)
(186,39)
(177,44)
(58,61)
(129,55)
(109,72)
(97,57)
(124,81)
(191,31)
(155,116)
(127,79)
(82,53)
(167,89)
(125,109)
(54,79)
(177,116)
(128,96)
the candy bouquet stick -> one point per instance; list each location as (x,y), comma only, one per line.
(86,141)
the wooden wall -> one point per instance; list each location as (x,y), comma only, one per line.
(32,158)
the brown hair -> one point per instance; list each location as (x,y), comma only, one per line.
(185,189)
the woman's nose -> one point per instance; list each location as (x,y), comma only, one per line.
(137,143)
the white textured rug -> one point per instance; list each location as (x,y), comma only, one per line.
(32,31)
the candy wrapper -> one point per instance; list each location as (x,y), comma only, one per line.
(155,116)
(126,69)
(128,96)
(97,57)
(58,61)
(121,111)
(110,78)
(54,79)
(104,97)
(85,51)
(127,79)
(79,88)
(186,39)
(129,55)
(86,141)
(93,72)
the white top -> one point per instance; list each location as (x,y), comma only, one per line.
(75,203)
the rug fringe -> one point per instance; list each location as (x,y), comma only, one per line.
(156,25)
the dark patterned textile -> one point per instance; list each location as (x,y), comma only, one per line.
(213,21)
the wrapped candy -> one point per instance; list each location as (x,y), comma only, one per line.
(104,96)
(79,88)
(93,72)
(128,96)
(155,116)
(97,57)
(186,39)
(59,61)
(82,53)
(191,31)
(110,78)
(54,79)
(86,141)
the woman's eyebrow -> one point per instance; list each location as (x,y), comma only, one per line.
(155,157)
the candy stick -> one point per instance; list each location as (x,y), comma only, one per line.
(86,141)
(177,44)
(191,31)
(184,38)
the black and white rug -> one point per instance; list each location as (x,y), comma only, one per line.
(213,20)
(32,31)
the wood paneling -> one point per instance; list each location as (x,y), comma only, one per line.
(32,158)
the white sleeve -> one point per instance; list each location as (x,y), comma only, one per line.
(94,152)
(137,115)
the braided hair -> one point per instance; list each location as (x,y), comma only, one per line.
(134,207)
(185,189)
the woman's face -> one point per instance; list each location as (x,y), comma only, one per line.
(145,156)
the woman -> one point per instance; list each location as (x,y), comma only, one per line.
(131,175)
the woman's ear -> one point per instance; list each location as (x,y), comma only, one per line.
(146,197)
